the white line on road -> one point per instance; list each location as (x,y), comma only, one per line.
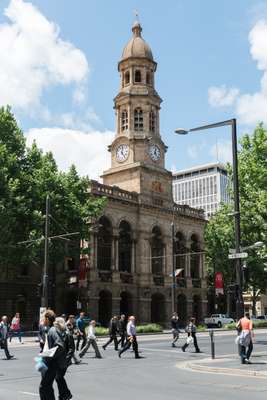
(29,394)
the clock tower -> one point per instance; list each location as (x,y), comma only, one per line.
(138,152)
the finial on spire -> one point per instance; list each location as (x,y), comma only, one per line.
(137,29)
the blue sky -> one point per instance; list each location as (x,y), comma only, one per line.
(58,70)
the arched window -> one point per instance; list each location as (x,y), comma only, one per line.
(125,247)
(194,257)
(127,78)
(148,78)
(179,251)
(157,251)
(137,76)
(124,120)
(138,119)
(104,243)
(152,121)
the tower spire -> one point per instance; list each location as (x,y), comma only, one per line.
(136,28)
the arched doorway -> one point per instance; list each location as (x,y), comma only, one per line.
(104,307)
(157,251)
(21,305)
(194,257)
(182,309)
(158,308)
(126,306)
(125,247)
(104,244)
(197,308)
(70,302)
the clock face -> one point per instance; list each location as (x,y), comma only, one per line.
(122,152)
(154,152)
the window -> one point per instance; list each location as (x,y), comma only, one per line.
(124,120)
(137,76)
(148,78)
(127,78)
(138,120)
(152,121)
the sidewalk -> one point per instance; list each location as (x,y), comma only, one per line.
(230,365)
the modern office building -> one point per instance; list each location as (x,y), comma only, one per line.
(203,187)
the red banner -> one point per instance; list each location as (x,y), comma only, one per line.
(219,283)
(83,272)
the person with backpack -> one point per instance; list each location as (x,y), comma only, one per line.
(4,336)
(57,339)
(191,330)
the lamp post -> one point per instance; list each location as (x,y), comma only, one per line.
(173,268)
(236,214)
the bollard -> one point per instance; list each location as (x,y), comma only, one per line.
(212,343)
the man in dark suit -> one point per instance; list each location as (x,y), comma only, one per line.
(113,329)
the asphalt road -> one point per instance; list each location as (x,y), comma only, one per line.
(158,376)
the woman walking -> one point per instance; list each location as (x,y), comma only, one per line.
(15,328)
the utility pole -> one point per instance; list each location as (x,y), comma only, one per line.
(44,300)
(173,269)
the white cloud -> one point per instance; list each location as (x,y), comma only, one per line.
(34,57)
(88,151)
(222,96)
(249,108)
(222,151)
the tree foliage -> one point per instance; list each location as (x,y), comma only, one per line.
(219,234)
(27,176)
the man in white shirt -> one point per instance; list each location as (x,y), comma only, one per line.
(131,338)
(91,340)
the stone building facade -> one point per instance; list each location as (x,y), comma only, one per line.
(130,266)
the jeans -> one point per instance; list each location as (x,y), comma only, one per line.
(83,338)
(17,333)
(175,334)
(245,354)
(193,334)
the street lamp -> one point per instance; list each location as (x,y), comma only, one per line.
(236,214)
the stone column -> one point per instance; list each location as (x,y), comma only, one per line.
(133,257)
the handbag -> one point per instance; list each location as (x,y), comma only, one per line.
(189,340)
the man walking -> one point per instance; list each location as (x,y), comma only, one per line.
(81,335)
(113,328)
(191,330)
(131,338)
(91,340)
(3,337)
(70,328)
(122,324)
(175,328)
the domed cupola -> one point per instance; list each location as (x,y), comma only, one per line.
(137,47)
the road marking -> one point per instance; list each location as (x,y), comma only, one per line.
(29,394)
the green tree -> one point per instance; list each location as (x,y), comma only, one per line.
(27,175)
(219,234)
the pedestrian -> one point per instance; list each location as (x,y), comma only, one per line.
(113,329)
(131,338)
(4,336)
(15,328)
(42,332)
(175,328)
(91,340)
(245,326)
(81,334)
(191,330)
(70,328)
(122,324)
(56,365)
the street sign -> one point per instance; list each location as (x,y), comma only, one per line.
(237,255)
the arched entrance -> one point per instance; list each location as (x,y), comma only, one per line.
(158,308)
(197,308)
(104,244)
(182,309)
(104,307)
(126,306)
(125,247)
